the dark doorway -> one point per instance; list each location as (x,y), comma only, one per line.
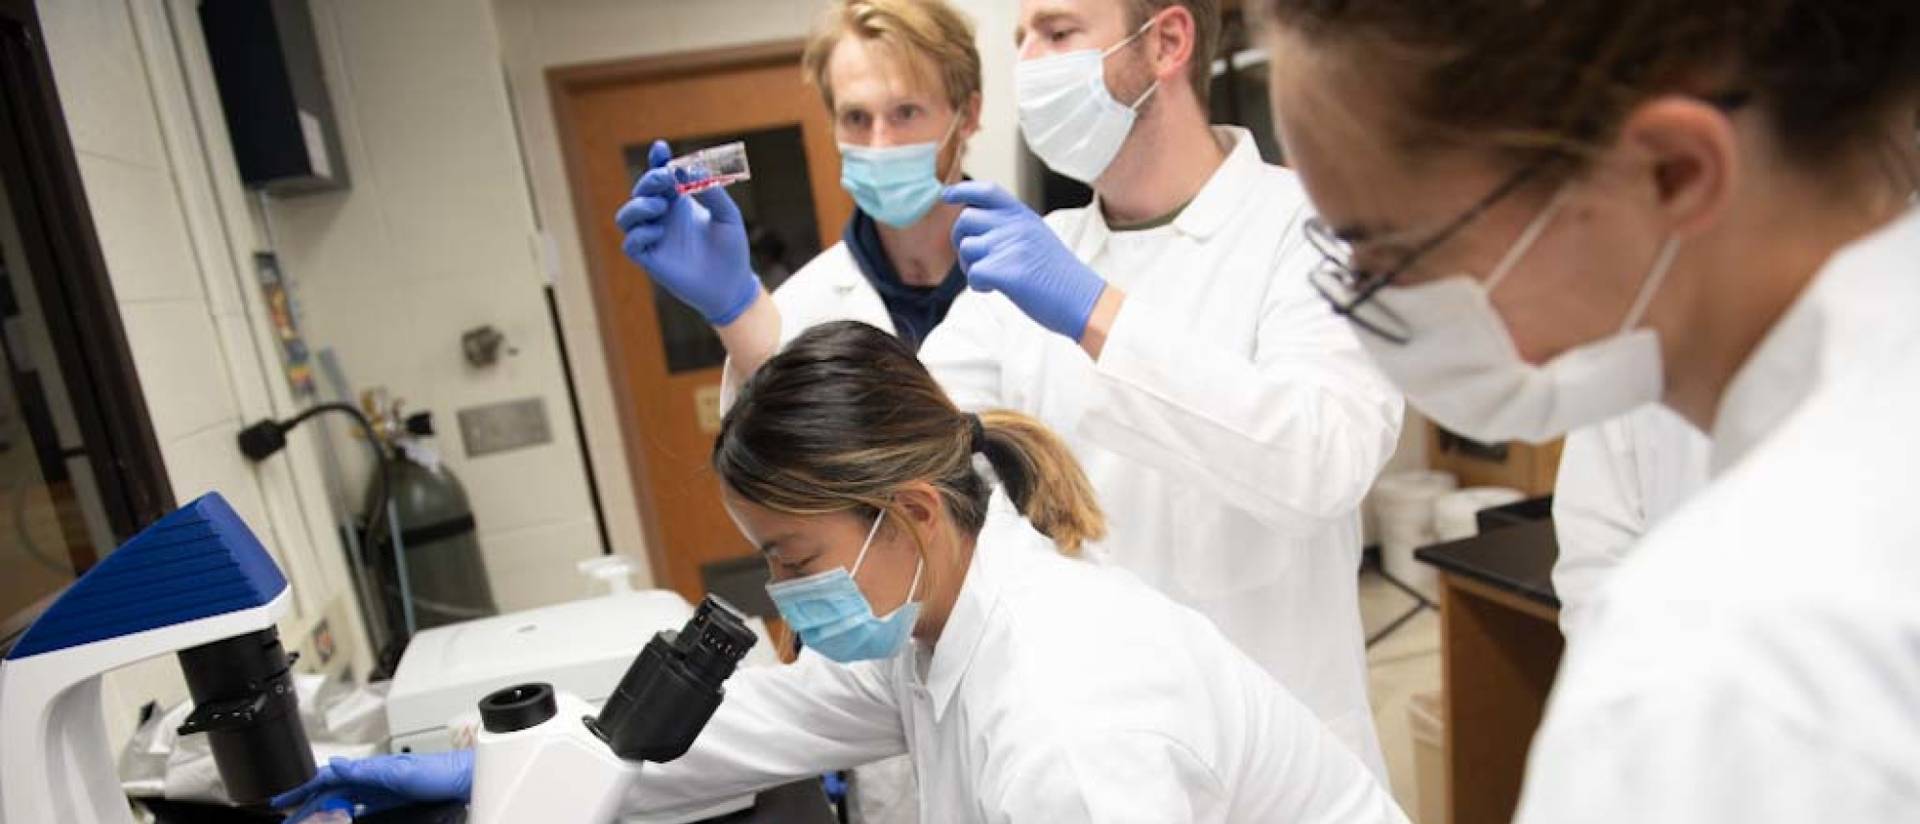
(80,470)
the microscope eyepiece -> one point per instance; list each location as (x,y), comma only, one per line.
(518,708)
(673,687)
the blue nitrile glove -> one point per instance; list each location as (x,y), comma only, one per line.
(695,247)
(1004,247)
(382,783)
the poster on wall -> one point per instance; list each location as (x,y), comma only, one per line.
(294,356)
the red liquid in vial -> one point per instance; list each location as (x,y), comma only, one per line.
(703,184)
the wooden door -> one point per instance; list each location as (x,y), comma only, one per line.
(665,361)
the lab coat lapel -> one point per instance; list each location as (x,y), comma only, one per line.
(972,609)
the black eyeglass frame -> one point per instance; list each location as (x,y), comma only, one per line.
(1362,286)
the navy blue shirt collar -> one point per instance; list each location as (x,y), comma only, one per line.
(915,310)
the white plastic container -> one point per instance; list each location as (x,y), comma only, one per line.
(1403,513)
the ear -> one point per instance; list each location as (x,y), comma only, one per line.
(920,508)
(971,112)
(1170,43)
(1687,151)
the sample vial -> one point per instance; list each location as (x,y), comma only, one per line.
(722,165)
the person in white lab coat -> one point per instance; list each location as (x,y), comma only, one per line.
(1617,479)
(944,618)
(1544,215)
(1230,423)
(901,81)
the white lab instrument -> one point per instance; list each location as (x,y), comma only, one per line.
(580,647)
(1754,660)
(543,756)
(709,168)
(196,582)
(1231,425)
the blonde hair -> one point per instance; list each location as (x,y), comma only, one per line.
(928,36)
(845,416)
(1206,36)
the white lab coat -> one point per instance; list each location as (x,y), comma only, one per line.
(1059,691)
(1759,659)
(828,288)
(1617,479)
(1230,428)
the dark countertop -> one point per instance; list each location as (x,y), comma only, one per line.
(1518,559)
(802,802)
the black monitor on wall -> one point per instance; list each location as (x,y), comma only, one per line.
(273,90)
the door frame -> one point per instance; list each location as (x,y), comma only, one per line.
(39,171)
(564,84)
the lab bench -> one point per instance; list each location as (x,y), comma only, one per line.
(801,802)
(1500,646)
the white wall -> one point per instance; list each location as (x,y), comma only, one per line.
(194,324)
(436,236)
(540,34)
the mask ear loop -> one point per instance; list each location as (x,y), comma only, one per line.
(1527,238)
(953,172)
(1131,37)
(1151,21)
(919,566)
(1651,287)
(872,531)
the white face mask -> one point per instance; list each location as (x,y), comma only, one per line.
(1068,115)
(1461,368)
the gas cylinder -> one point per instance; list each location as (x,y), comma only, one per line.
(446,575)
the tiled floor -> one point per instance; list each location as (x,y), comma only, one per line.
(1403,664)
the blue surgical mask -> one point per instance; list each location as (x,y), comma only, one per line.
(833,618)
(895,185)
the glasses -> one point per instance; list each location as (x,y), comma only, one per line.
(1350,289)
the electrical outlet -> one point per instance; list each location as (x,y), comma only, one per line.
(706,408)
(504,426)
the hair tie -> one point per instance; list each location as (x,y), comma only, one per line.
(978,431)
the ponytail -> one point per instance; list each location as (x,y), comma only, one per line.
(1042,478)
(845,415)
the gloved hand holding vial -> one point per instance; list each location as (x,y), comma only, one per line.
(682,226)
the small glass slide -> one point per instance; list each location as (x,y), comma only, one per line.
(722,165)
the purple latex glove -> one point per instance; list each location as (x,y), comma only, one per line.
(1004,247)
(381,783)
(693,245)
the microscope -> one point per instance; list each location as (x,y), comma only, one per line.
(546,756)
(198,584)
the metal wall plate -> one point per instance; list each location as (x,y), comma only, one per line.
(504,426)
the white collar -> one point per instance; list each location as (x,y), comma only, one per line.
(1862,301)
(1223,196)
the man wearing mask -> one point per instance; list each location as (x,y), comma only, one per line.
(901,81)
(1229,422)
